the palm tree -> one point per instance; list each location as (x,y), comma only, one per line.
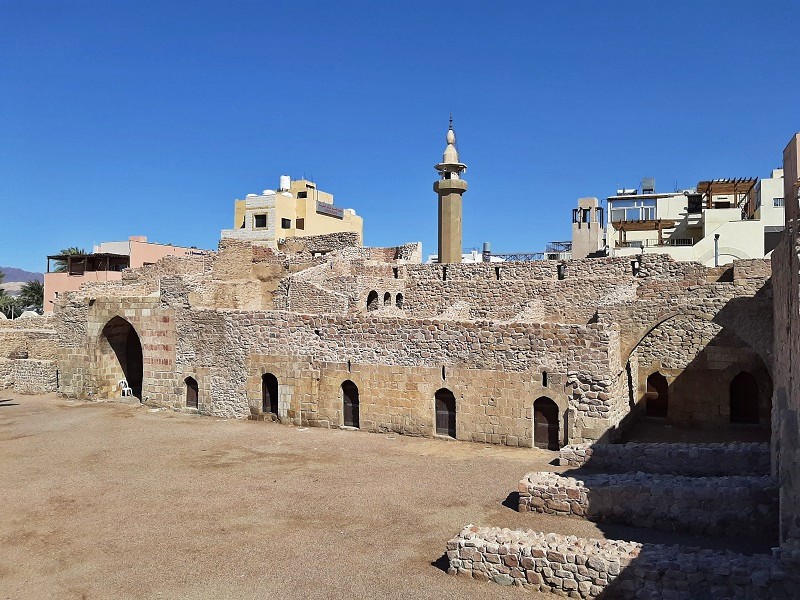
(31,295)
(60,266)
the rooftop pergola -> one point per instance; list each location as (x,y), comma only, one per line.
(77,264)
(721,187)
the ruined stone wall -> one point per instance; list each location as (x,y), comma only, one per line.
(697,460)
(28,348)
(224,318)
(786,398)
(28,337)
(398,364)
(589,569)
(321,243)
(519,290)
(29,376)
(490,406)
(732,506)
(695,353)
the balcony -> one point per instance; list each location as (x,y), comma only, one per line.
(654,243)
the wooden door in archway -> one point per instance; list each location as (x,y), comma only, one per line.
(191,392)
(545,424)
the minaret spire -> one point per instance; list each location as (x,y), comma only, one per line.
(450,188)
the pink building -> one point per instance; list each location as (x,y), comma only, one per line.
(105,263)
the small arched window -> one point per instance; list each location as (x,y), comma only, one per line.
(372,300)
(544,378)
(387,299)
(398,300)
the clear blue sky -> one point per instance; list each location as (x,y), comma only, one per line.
(150,118)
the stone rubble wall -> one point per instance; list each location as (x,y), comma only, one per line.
(29,376)
(413,342)
(589,568)
(694,460)
(786,371)
(718,506)
(327,242)
(396,354)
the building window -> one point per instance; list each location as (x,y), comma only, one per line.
(633,210)
(300,223)
(286,223)
(259,221)
(302,194)
(777,202)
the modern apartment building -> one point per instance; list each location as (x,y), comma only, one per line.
(296,209)
(718,221)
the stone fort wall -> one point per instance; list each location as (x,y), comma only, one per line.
(499,336)
(786,398)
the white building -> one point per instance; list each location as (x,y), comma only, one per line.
(719,221)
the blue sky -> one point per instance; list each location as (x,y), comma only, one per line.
(150,118)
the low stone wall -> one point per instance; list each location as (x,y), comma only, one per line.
(719,506)
(697,460)
(586,568)
(29,376)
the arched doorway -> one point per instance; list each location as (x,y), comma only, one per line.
(656,401)
(545,424)
(744,399)
(269,394)
(120,358)
(191,392)
(350,404)
(445,413)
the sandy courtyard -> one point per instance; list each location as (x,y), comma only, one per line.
(104,500)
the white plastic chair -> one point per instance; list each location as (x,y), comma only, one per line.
(125,388)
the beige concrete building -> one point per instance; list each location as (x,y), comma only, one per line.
(296,209)
(588,229)
(719,221)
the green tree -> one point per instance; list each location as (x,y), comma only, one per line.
(32,295)
(6,301)
(60,266)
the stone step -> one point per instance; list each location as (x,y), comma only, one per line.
(588,568)
(717,506)
(695,460)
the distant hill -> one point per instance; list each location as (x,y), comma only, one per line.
(12,274)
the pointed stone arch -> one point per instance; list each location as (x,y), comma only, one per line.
(119,359)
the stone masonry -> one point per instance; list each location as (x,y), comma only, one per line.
(498,336)
(734,506)
(586,568)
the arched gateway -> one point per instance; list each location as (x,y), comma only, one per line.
(119,359)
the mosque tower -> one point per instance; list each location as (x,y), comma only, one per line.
(449,188)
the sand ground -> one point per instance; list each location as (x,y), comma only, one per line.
(105,500)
